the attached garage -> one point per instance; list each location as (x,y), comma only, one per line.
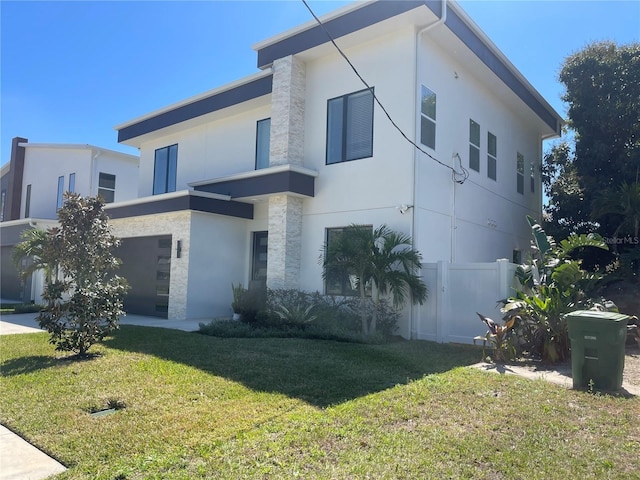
(146,265)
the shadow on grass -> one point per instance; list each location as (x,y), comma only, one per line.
(319,372)
(18,366)
(34,363)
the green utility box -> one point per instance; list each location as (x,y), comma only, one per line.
(597,348)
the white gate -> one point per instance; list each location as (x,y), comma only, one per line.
(456,292)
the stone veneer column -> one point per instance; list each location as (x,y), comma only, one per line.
(286,147)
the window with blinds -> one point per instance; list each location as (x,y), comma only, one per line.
(350,127)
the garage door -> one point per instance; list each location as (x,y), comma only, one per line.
(146,264)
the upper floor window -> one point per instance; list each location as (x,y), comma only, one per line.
(428,118)
(474,146)
(492,156)
(263,137)
(60,196)
(520,173)
(532,178)
(107,187)
(164,171)
(3,201)
(72,182)
(27,202)
(350,127)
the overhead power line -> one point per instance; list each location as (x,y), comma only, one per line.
(458,177)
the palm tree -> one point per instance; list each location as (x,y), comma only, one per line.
(383,258)
(34,248)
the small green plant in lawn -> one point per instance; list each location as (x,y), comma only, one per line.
(83,297)
(500,338)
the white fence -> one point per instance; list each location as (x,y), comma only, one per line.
(456,292)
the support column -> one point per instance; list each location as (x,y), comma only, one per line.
(286,147)
(285,235)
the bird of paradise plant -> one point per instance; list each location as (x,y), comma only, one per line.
(499,338)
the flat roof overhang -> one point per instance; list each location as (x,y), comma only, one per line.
(284,179)
(180,201)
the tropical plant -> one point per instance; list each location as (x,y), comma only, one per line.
(499,338)
(383,258)
(552,284)
(30,256)
(238,291)
(83,301)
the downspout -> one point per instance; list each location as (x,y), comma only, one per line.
(416,89)
(94,157)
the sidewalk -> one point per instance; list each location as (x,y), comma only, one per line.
(19,460)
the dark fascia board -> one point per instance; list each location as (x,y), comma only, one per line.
(269,184)
(382,10)
(338,27)
(218,101)
(486,56)
(184,202)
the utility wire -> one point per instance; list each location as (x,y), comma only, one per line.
(458,177)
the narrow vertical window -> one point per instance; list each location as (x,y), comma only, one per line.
(72,182)
(3,202)
(532,177)
(474,146)
(60,197)
(263,137)
(428,118)
(338,281)
(165,168)
(350,127)
(107,187)
(492,156)
(27,202)
(520,173)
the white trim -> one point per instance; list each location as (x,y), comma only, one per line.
(78,146)
(32,222)
(258,173)
(166,196)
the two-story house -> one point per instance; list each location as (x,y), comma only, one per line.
(33,184)
(246,182)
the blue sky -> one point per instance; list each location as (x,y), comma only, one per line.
(71,71)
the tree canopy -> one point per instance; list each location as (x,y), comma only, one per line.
(602,90)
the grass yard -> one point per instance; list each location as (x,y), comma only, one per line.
(204,407)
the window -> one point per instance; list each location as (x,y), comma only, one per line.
(27,202)
(350,127)
(428,118)
(60,196)
(492,154)
(164,172)
(341,282)
(533,178)
(516,257)
(263,136)
(474,146)
(520,173)
(72,182)
(107,187)
(3,201)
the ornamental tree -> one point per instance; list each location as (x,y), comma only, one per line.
(84,300)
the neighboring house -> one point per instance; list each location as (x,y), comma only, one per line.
(33,184)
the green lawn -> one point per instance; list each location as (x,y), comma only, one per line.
(204,407)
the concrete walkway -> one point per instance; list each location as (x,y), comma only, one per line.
(19,460)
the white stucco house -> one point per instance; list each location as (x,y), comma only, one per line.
(244,183)
(32,186)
